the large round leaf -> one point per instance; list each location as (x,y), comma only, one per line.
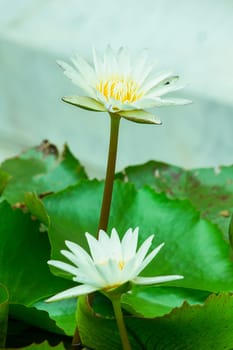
(23,258)
(193,247)
(186,328)
(210,190)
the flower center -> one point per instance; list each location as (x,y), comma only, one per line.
(124,90)
(121,264)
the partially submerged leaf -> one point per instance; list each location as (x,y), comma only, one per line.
(42,171)
(210,190)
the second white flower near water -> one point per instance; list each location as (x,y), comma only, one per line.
(112,263)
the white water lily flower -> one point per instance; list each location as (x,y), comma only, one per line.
(111,264)
(120,85)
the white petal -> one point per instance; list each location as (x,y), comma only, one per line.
(97,251)
(92,274)
(110,62)
(129,271)
(142,68)
(97,63)
(123,61)
(159,80)
(104,239)
(145,103)
(72,292)
(85,263)
(85,69)
(79,252)
(163,90)
(110,272)
(70,256)
(85,277)
(157,279)
(63,266)
(129,244)
(103,236)
(76,78)
(142,251)
(115,246)
(171,102)
(149,258)
(139,65)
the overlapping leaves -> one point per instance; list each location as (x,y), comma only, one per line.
(210,190)
(42,187)
(188,327)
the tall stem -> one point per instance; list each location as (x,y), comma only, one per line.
(120,322)
(110,172)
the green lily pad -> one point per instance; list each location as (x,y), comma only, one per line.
(41,170)
(23,258)
(34,316)
(62,312)
(194,327)
(193,247)
(4,179)
(4,297)
(45,346)
(36,207)
(210,190)
(154,301)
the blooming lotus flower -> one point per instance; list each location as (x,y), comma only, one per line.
(119,85)
(111,264)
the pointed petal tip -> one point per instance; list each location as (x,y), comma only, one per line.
(102,232)
(64,98)
(59,62)
(50,262)
(49,300)
(62,64)
(87,234)
(63,251)
(178,277)
(70,244)
(156,279)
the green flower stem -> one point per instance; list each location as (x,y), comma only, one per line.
(120,322)
(110,172)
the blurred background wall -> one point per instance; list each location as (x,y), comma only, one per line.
(192,38)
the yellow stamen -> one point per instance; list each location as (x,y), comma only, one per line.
(124,90)
(121,265)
